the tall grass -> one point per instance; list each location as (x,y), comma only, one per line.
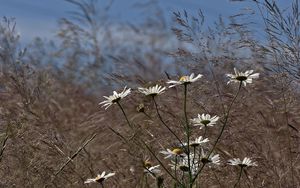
(53,133)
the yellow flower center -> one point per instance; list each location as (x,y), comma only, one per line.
(147,164)
(183,78)
(177,151)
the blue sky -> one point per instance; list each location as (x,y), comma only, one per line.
(39,17)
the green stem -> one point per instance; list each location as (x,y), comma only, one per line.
(124,114)
(102,185)
(194,156)
(175,171)
(205,130)
(223,127)
(160,118)
(226,119)
(239,178)
(188,136)
(147,115)
(153,174)
(194,179)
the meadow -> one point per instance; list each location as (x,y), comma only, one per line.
(153,104)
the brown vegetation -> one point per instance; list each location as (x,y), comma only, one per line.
(53,133)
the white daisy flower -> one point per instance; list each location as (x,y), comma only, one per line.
(204,120)
(152,91)
(245,163)
(173,153)
(112,99)
(197,142)
(183,164)
(212,159)
(242,77)
(153,170)
(184,80)
(99,178)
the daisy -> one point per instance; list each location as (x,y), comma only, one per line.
(153,170)
(116,97)
(183,164)
(212,159)
(173,153)
(184,80)
(197,142)
(245,163)
(242,77)
(204,120)
(152,91)
(100,178)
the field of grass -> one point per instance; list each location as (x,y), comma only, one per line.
(54,132)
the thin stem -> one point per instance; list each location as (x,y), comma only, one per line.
(124,114)
(162,165)
(175,170)
(224,125)
(226,118)
(182,178)
(160,118)
(152,173)
(199,172)
(248,179)
(194,156)
(188,136)
(205,130)
(239,178)
(147,115)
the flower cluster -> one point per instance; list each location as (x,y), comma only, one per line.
(238,77)
(190,157)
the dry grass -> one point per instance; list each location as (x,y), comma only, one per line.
(53,133)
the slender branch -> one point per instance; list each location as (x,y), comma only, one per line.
(239,178)
(188,135)
(224,125)
(205,130)
(160,118)
(194,179)
(226,118)
(124,114)
(75,154)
